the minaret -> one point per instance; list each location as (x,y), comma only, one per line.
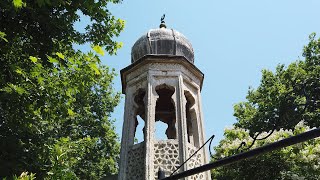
(162,85)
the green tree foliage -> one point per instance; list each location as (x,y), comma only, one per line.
(286,103)
(301,161)
(25,176)
(55,102)
(43,26)
(284,97)
(59,118)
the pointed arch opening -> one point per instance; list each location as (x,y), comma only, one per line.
(165,113)
(192,122)
(139,116)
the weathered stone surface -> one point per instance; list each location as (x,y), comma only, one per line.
(161,63)
(162,41)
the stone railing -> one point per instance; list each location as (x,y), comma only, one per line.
(166,156)
(136,158)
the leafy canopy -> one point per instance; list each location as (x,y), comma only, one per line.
(59,118)
(44,25)
(286,103)
(286,96)
(301,161)
(55,102)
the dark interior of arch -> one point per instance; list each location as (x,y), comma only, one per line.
(165,110)
(191,119)
(140,111)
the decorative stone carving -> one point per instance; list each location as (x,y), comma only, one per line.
(195,161)
(136,155)
(166,156)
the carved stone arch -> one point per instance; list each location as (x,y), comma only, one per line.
(165,81)
(190,98)
(139,110)
(192,119)
(165,109)
(139,102)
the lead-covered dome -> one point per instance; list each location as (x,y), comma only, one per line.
(162,41)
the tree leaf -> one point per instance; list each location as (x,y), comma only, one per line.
(18,3)
(94,67)
(2,36)
(52,60)
(18,89)
(98,49)
(33,59)
(19,71)
(60,55)
(70,112)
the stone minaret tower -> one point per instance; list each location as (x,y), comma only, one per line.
(162,85)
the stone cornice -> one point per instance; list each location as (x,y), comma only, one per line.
(165,59)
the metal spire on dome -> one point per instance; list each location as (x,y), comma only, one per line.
(163,25)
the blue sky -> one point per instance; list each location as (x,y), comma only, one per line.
(233,41)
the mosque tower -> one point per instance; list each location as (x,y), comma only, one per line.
(162,84)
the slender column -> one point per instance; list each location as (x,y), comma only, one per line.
(182,123)
(150,101)
(196,127)
(176,124)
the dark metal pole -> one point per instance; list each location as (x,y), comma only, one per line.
(249,154)
(161,174)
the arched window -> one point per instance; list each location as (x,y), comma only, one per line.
(165,112)
(192,123)
(160,128)
(139,116)
(139,132)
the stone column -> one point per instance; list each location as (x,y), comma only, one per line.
(182,123)
(150,105)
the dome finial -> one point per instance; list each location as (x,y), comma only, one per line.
(163,25)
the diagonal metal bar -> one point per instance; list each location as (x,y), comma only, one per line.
(249,154)
(210,139)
